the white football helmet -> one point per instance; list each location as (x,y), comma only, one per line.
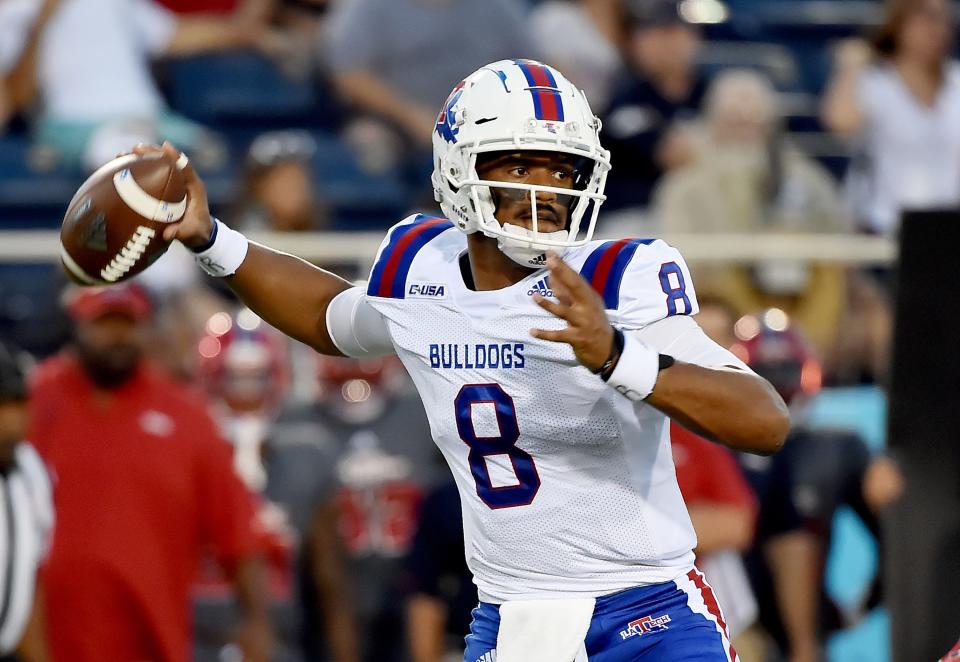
(517,105)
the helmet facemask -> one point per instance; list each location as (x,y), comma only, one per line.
(527,246)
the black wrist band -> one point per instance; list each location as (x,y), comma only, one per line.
(210,241)
(616,349)
(666,361)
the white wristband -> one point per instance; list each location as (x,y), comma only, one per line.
(637,369)
(226,252)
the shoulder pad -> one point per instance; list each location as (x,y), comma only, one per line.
(642,279)
(606,265)
(389,275)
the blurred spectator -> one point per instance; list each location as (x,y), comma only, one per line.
(244,368)
(293,47)
(581,38)
(723,511)
(900,97)
(212,6)
(442,593)
(860,352)
(144,486)
(397,60)
(21,26)
(179,320)
(278,192)
(385,462)
(303,23)
(94,71)
(747,179)
(644,124)
(28,520)
(800,490)
(952,654)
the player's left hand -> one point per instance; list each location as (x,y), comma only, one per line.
(588,330)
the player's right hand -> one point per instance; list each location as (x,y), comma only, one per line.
(196,226)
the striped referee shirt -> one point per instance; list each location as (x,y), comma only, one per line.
(26,525)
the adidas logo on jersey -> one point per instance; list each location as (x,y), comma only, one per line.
(542,288)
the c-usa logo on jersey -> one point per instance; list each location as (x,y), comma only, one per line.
(418,290)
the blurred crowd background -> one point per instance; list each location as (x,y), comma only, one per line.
(748,117)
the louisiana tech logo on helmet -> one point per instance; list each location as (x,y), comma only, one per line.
(447,121)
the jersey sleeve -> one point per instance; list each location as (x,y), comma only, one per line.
(357,328)
(641,281)
(683,339)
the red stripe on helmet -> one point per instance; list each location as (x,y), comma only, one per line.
(540,76)
(549,105)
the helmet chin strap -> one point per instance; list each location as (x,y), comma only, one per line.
(521,251)
(518,245)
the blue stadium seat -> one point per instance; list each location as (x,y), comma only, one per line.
(775,61)
(806,28)
(244,88)
(34,188)
(361,200)
(30,313)
(818,14)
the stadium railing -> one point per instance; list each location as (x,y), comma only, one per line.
(360,248)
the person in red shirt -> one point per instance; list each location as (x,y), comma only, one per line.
(719,499)
(144,488)
(723,511)
(202,6)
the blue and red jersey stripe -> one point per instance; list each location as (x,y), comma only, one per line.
(389,276)
(606,265)
(547,101)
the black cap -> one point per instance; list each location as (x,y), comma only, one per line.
(12,384)
(656,13)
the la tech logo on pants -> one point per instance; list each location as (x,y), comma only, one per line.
(644,625)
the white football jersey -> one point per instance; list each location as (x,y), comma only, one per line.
(568,489)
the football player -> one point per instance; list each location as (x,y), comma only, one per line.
(548,365)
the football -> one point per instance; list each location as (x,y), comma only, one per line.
(113,228)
